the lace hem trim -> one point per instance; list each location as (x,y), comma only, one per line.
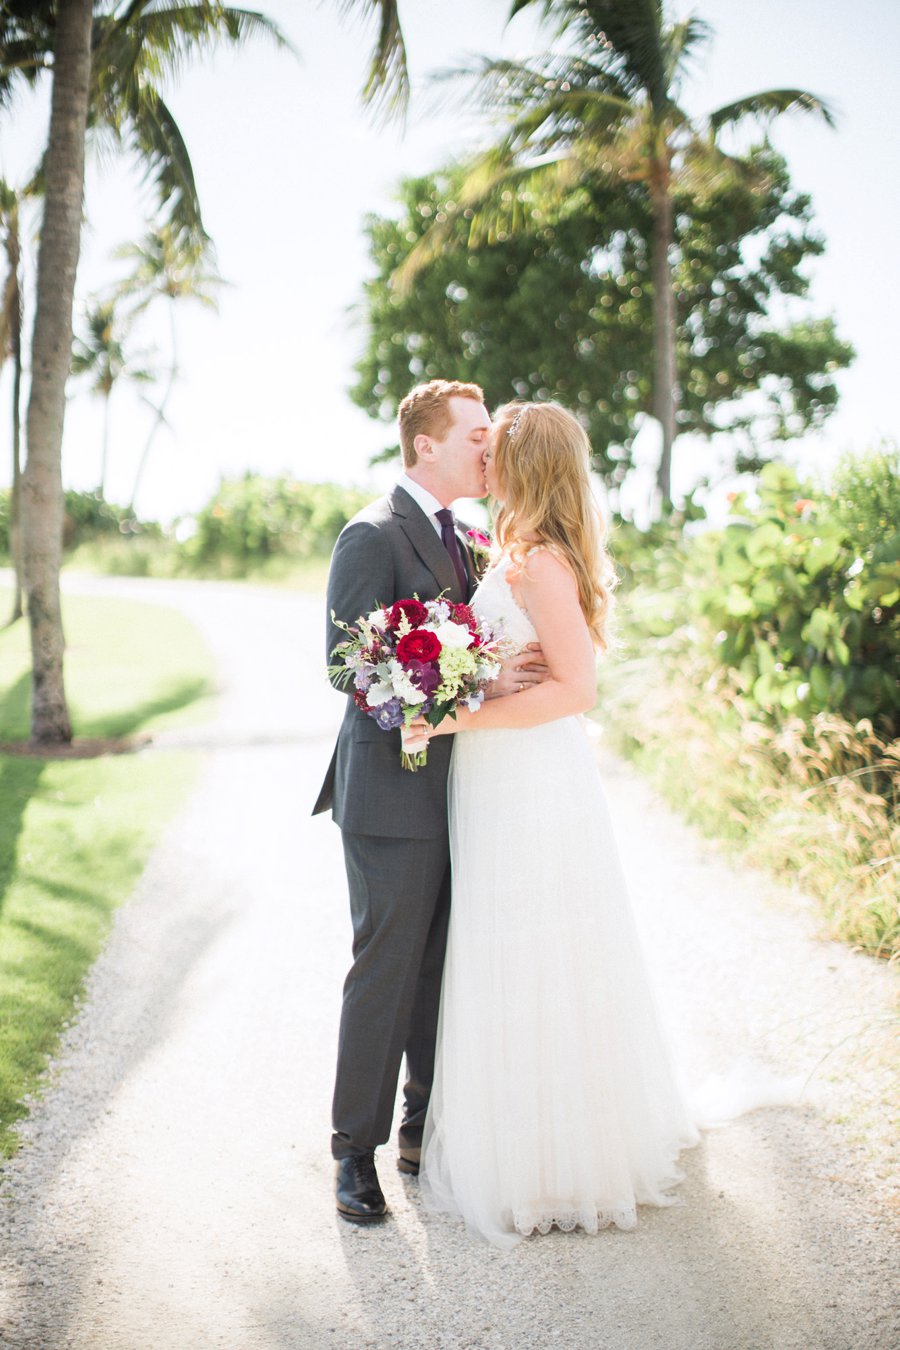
(527,1222)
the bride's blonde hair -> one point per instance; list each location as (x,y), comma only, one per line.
(542,462)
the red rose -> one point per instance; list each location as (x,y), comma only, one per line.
(413,610)
(463,614)
(419,645)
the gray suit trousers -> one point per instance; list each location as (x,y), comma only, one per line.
(400,906)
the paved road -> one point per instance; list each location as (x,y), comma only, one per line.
(174,1192)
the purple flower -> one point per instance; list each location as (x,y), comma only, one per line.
(390,715)
(424,675)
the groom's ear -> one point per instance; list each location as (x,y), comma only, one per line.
(424,448)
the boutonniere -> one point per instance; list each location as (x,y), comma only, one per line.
(480,545)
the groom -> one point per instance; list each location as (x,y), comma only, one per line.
(393,822)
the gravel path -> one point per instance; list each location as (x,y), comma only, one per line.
(174,1190)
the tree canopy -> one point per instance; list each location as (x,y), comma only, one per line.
(606,108)
(561,308)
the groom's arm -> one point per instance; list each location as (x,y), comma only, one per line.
(360,578)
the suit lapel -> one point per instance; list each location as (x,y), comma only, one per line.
(468,561)
(424,538)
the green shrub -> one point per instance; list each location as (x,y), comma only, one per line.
(866,494)
(759,688)
(251,519)
(86,516)
(800,596)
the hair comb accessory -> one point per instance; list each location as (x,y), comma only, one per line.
(517,421)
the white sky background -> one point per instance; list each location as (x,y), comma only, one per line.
(288,163)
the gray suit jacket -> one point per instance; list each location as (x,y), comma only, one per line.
(389,551)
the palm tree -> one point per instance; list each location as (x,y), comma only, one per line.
(606,109)
(42,499)
(102,354)
(11,347)
(139,44)
(171,267)
(108,68)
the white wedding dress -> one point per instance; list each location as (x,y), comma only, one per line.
(554,1099)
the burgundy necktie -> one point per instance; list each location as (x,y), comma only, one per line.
(451,544)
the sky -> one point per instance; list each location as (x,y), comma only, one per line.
(288,163)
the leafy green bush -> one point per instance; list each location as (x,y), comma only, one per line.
(865,492)
(252,518)
(89,516)
(86,516)
(759,688)
(800,595)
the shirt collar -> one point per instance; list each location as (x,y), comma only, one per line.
(421,496)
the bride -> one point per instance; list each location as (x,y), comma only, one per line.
(554,1101)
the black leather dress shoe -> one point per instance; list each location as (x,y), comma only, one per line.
(408,1161)
(359,1196)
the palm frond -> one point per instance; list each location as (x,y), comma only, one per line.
(499,197)
(170,264)
(160,40)
(569,119)
(681,43)
(768,104)
(628,37)
(153,132)
(387,84)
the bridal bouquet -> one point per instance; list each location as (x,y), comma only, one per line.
(417,658)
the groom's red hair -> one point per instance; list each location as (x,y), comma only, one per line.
(426,412)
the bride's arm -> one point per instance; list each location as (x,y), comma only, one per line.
(548,591)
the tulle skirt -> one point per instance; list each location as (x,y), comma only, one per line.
(555,1102)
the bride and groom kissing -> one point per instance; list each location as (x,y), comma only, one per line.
(538,1089)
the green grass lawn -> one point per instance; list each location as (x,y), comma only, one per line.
(75,834)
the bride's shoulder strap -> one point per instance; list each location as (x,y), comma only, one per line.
(547,546)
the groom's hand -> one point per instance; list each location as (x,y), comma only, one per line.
(520,672)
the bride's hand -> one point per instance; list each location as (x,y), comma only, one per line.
(526,668)
(421,732)
(416,736)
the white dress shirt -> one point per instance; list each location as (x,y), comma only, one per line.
(422,497)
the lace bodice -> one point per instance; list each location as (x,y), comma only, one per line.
(494,600)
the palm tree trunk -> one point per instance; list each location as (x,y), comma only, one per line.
(15,499)
(104,454)
(665,390)
(51,352)
(13,253)
(160,413)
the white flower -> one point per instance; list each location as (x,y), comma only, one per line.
(454,635)
(403,687)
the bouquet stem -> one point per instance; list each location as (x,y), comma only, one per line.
(415,761)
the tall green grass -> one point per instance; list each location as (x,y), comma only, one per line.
(75,834)
(816,803)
